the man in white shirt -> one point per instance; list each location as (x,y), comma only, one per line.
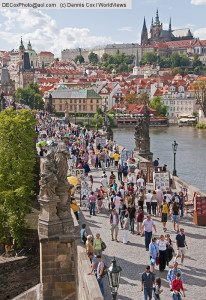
(116,202)
(147,230)
(148,201)
(104,183)
(136,172)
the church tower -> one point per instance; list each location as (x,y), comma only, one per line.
(29,47)
(156,29)
(21,55)
(144,35)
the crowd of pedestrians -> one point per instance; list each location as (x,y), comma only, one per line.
(131,206)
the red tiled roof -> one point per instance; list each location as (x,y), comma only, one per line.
(46,52)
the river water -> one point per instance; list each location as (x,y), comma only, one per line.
(191,151)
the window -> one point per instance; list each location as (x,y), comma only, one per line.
(80,107)
(60,100)
(71,107)
(91,101)
(84,107)
(83,101)
(70,100)
(97,100)
(91,107)
(60,107)
(80,101)
(75,101)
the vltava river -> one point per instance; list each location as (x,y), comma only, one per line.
(191,151)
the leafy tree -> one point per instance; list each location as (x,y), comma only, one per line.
(104,57)
(196,61)
(17,161)
(79,58)
(149,58)
(199,88)
(31,95)
(157,104)
(143,99)
(177,70)
(93,58)
(131,99)
(97,121)
(123,67)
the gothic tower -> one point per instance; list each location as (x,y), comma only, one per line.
(144,35)
(21,55)
(156,29)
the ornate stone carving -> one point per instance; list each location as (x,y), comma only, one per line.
(48,180)
(142,138)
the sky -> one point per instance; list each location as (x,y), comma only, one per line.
(54,30)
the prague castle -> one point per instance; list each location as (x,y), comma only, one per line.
(158,35)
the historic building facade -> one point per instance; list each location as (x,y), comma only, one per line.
(158,35)
(82,100)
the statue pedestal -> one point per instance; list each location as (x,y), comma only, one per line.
(63,208)
(147,155)
(49,223)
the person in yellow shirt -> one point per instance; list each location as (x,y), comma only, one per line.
(116,159)
(75,207)
(164,211)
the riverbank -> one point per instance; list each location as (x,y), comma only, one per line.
(191,163)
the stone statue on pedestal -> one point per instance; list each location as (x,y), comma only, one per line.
(142,138)
(48,180)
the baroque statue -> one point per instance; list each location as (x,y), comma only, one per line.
(48,181)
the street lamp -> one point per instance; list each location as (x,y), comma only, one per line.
(114,277)
(174,148)
(75,115)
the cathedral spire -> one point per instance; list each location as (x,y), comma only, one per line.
(170,25)
(144,35)
(157,21)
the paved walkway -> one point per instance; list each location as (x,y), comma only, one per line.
(133,258)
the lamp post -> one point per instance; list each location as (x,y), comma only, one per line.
(174,148)
(114,277)
(75,115)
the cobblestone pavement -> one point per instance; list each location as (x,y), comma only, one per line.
(133,257)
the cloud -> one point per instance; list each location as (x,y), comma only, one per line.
(198,2)
(127,28)
(200,33)
(44,33)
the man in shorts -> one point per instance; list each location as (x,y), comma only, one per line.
(181,244)
(116,159)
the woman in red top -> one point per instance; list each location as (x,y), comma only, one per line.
(176,287)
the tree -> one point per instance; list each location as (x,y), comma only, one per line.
(17,161)
(93,58)
(199,88)
(160,108)
(79,58)
(104,57)
(143,99)
(149,58)
(131,99)
(31,95)
(196,61)
(97,121)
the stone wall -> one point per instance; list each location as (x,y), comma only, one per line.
(17,275)
(87,285)
(31,294)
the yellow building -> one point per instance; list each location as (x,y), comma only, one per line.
(75,100)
